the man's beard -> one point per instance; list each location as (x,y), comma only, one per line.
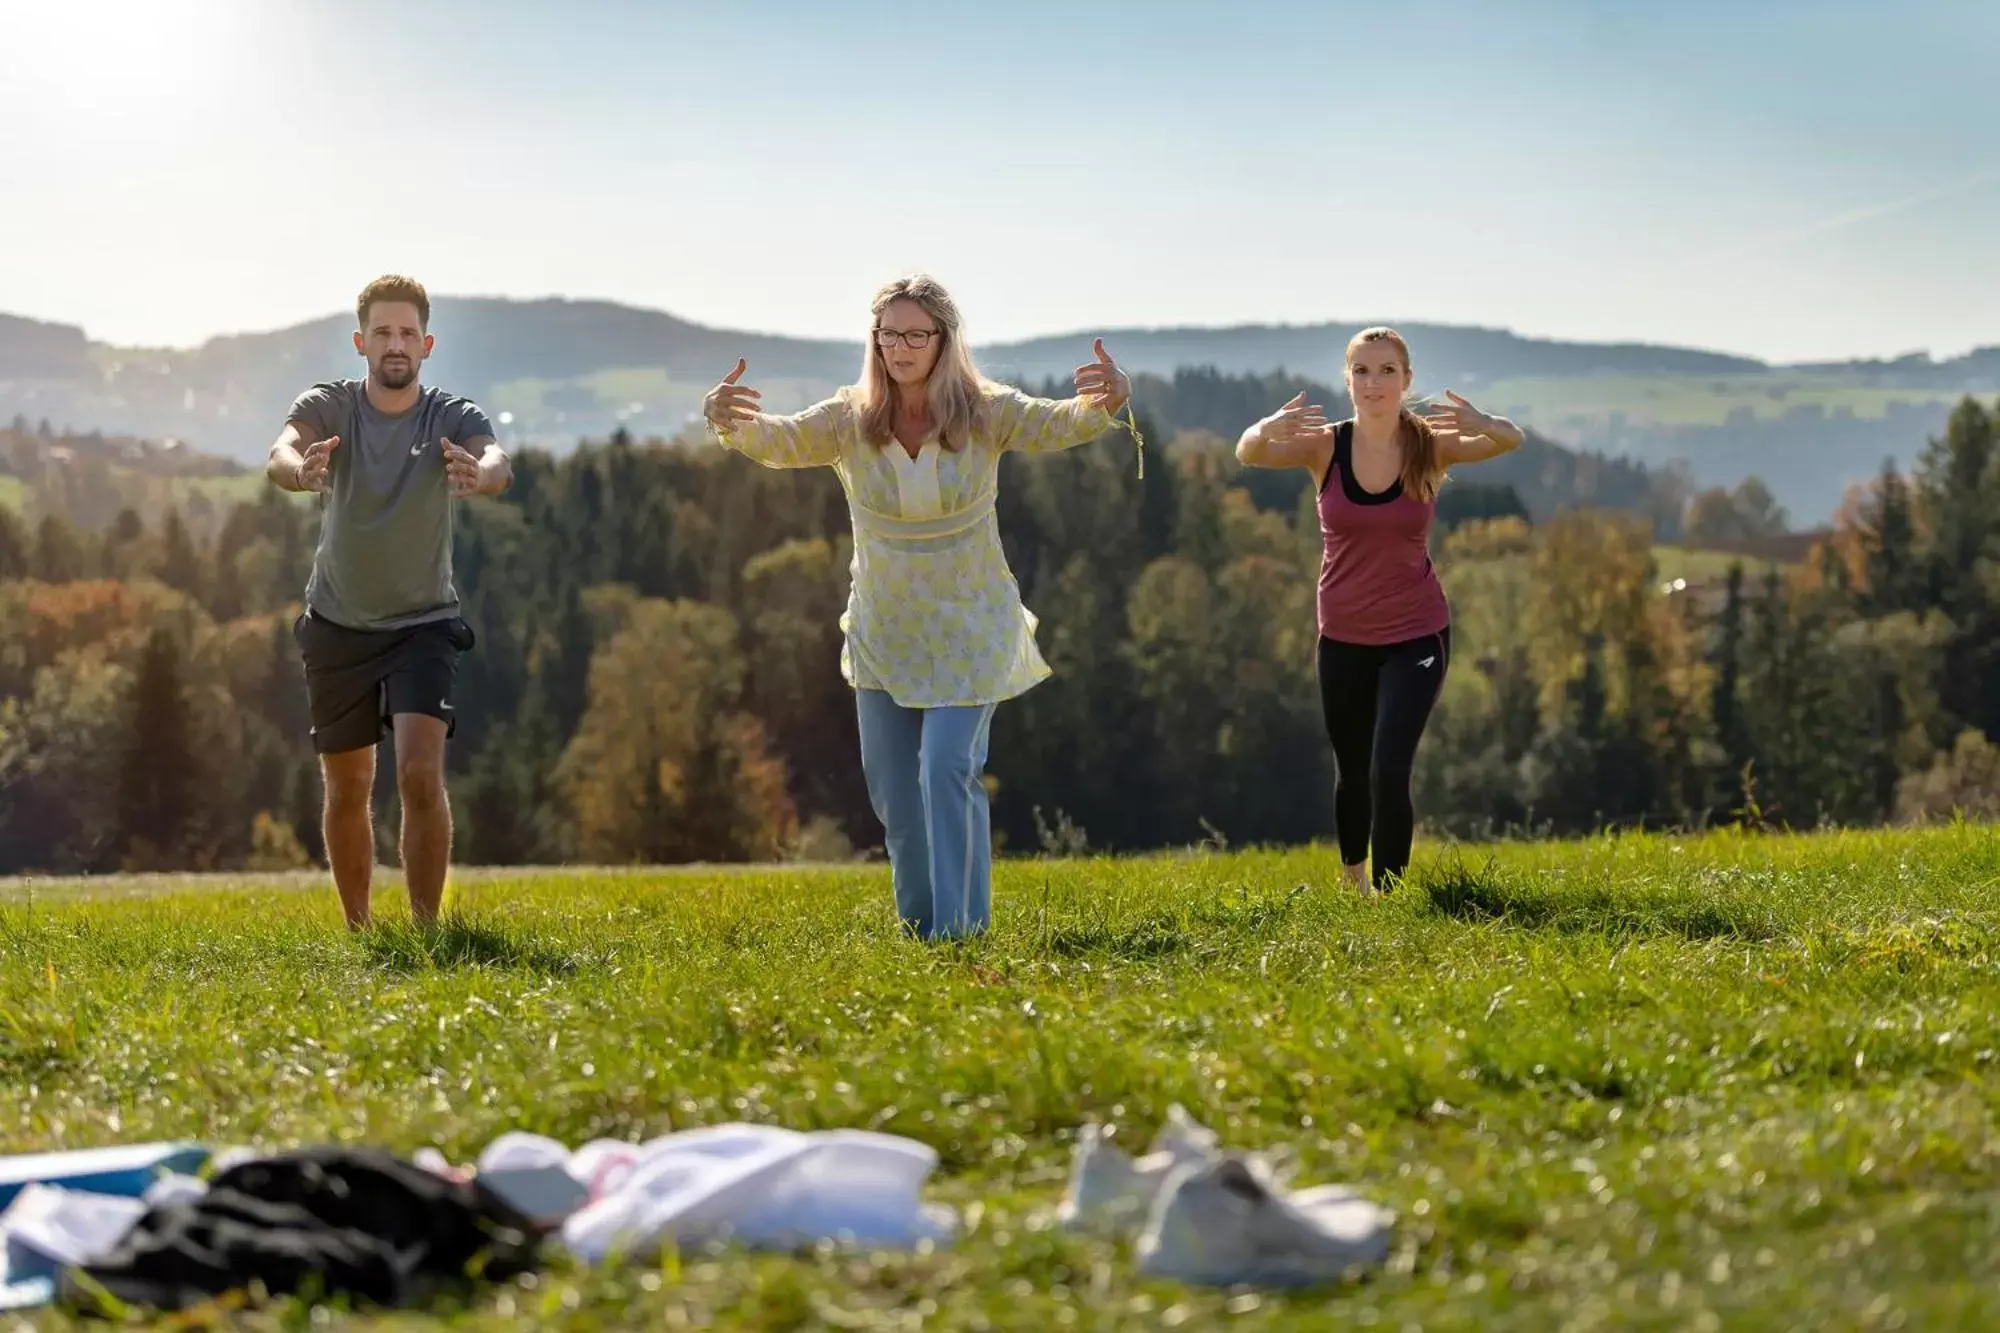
(396,374)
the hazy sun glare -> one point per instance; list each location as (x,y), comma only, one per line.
(110,55)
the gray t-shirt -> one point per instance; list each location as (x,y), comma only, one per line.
(384,557)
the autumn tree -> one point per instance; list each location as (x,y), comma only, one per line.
(1729,516)
(665,767)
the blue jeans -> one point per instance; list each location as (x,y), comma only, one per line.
(924,768)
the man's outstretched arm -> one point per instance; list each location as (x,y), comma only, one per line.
(299,458)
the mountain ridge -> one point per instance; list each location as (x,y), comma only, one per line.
(562,368)
(1917,357)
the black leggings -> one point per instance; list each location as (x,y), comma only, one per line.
(1377,699)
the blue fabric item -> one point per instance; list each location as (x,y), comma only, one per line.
(27,1292)
(126,1171)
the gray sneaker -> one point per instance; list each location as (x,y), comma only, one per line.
(1223,1223)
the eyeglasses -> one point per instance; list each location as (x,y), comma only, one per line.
(915,339)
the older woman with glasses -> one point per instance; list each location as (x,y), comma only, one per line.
(935,634)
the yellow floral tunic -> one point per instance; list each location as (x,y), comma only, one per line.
(934,615)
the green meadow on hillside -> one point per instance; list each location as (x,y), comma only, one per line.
(1700,566)
(1697,400)
(1637,1081)
(219,491)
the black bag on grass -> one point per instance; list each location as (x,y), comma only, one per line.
(324,1222)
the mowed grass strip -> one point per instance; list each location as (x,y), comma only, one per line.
(1637,1081)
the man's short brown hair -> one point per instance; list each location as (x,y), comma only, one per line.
(393,287)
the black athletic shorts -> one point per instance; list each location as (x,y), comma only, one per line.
(356,680)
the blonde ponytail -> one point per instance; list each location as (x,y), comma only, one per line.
(1422,473)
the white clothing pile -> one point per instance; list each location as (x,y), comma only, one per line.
(755,1185)
(759,1186)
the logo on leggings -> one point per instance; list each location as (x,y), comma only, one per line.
(1427,661)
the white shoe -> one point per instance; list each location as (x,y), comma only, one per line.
(1187,1140)
(1111,1191)
(1223,1223)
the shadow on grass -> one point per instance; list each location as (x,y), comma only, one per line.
(1165,934)
(1138,941)
(1470,895)
(456,943)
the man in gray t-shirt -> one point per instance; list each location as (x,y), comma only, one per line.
(384,557)
(381,633)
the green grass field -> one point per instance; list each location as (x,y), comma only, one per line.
(1694,565)
(1695,400)
(242,488)
(1635,1082)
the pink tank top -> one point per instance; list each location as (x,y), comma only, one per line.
(1376,581)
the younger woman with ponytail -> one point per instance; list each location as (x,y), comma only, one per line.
(1384,623)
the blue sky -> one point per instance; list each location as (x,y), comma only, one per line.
(1791,179)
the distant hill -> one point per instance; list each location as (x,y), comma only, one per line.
(1207,406)
(28,453)
(89,477)
(92,476)
(31,350)
(564,369)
